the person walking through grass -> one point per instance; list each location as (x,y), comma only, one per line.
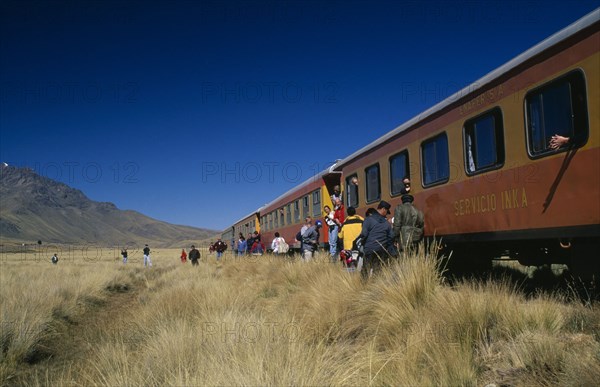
(147,260)
(194,256)
(183,256)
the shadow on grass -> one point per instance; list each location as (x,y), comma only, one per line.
(533,281)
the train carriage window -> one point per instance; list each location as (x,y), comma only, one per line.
(281,217)
(558,107)
(296,211)
(305,206)
(275,219)
(483,138)
(435,162)
(316,202)
(288,214)
(352,191)
(270,221)
(398,172)
(373,185)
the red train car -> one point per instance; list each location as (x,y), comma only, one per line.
(481,164)
(286,214)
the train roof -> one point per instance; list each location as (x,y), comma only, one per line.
(296,188)
(554,39)
(319,175)
(247,216)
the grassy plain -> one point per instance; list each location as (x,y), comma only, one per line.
(90,320)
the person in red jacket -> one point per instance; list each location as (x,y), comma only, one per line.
(258,248)
(183,256)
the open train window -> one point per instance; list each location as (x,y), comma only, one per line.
(398,172)
(296,211)
(435,163)
(558,107)
(373,186)
(305,206)
(352,191)
(288,214)
(316,201)
(275,219)
(483,138)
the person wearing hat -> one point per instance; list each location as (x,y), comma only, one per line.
(408,224)
(310,241)
(377,239)
(194,255)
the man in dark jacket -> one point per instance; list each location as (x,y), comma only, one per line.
(377,239)
(220,247)
(194,255)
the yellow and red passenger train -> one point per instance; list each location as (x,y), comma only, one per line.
(481,165)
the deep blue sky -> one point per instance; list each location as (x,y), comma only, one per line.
(198,112)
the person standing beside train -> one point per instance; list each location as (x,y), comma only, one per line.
(409,224)
(242,246)
(351,229)
(332,232)
(249,243)
(310,241)
(377,239)
(307,224)
(277,243)
(339,216)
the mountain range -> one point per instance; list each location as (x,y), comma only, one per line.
(35,208)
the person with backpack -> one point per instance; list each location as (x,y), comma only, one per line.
(279,246)
(376,240)
(409,224)
(350,230)
(310,241)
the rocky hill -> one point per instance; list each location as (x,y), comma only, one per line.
(33,207)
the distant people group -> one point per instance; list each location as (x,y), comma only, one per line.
(361,244)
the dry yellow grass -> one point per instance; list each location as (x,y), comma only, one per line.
(272,321)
